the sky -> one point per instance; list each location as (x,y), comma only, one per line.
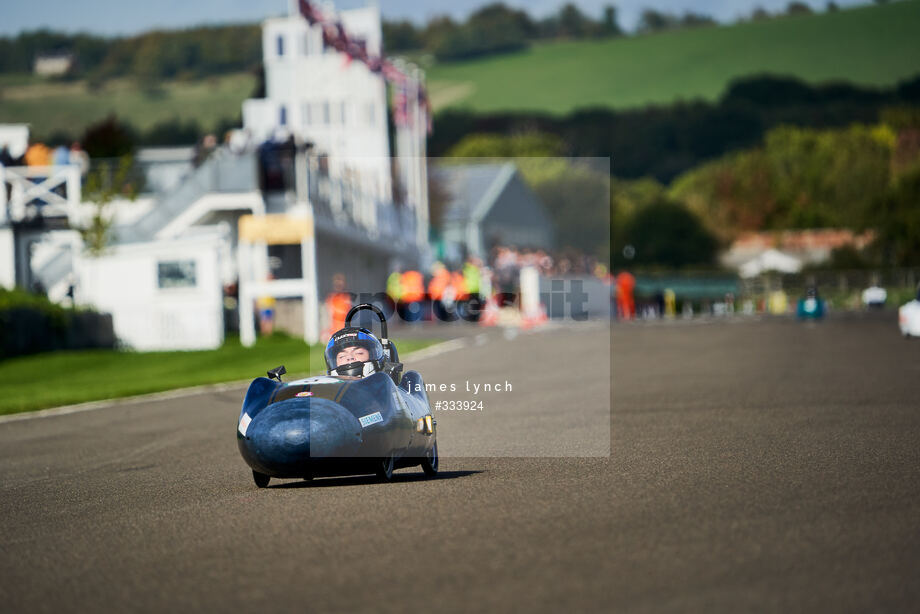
(118,17)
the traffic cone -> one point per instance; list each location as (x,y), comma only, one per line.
(489,315)
(538,317)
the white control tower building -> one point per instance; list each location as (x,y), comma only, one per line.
(324,97)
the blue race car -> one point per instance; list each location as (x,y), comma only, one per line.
(363,417)
(811,306)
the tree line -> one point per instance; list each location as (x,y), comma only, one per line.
(212,50)
(495,28)
(665,141)
(860,177)
(204,51)
(772,154)
(150,57)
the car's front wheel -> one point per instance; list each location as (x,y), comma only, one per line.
(260,479)
(430,461)
(385,468)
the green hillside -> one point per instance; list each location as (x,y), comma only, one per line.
(871,45)
(69,107)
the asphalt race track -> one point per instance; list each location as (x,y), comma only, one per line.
(754,465)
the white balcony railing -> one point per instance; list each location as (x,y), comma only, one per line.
(27,191)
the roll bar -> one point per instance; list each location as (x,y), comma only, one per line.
(370,307)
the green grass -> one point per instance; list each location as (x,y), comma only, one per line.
(62,378)
(52,106)
(872,45)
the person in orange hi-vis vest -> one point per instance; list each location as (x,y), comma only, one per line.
(626,302)
(440,279)
(338,303)
(458,283)
(413,293)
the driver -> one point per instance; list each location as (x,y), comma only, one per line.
(354,352)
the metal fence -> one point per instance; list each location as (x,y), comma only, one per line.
(841,288)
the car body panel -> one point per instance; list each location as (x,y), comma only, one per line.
(333,426)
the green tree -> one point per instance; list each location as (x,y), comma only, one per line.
(401,36)
(103,184)
(628,197)
(695,20)
(800,178)
(798,8)
(529,144)
(896,217)
(573,23)
(610,26)
(109,138)
(667,234)
(655,21)
(494,28)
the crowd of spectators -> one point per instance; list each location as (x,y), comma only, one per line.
(506,263)
(38,154)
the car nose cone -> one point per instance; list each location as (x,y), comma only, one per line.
(284,437)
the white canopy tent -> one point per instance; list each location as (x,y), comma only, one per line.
(770,260)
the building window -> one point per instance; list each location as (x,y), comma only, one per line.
(326,112)
(342,113)
(282,116)
(176,274)
(280,42)
(306,112)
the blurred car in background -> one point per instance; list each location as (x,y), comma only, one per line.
(811,306)
(874,297)
(909,318)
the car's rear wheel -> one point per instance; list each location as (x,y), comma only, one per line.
(260,479)
(385,468)
(430,461)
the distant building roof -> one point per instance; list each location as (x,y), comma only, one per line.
(770,260)
(490,204)
(809,246)
(474,188)
(50,64)
(820,238)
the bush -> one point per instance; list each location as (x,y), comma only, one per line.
(667,234)
(30,323)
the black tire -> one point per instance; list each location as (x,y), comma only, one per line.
(385,468)
(260,479)
(430,462)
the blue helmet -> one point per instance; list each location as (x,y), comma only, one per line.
(354,337)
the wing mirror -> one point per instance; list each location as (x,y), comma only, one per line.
(276,373)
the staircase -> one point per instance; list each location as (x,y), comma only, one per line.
(221,173)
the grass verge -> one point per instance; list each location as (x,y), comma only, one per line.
(64,378)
